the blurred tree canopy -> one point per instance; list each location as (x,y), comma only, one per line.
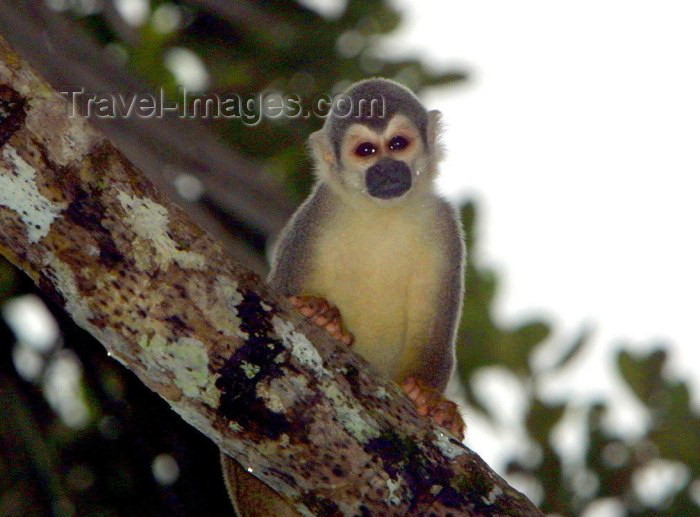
(80,435)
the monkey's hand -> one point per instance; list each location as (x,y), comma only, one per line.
(321,313)
(430,402)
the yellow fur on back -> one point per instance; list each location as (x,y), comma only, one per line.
(381,267)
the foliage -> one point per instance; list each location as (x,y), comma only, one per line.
(274,46)
(613,464)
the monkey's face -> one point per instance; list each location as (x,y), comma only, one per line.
(384,165)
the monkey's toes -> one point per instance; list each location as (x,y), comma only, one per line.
(322,314)
(447,415)
(309,306)
(327,317)
(429,402)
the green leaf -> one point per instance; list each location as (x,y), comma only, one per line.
(642,374)
(541,419)
(574,348)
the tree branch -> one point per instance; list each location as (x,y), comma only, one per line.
(230,356)
(71,60)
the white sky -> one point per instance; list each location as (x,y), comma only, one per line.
(580,137)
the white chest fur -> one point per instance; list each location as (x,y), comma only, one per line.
(381,268)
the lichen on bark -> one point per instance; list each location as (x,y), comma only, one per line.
(309,417)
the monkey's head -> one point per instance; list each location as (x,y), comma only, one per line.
(378,142)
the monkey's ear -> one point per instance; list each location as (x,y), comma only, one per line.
(434,127)
(321,148)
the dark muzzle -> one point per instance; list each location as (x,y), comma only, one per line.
(388,178)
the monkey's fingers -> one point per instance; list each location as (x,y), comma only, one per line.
(424,397)
(327,316)
(447,415)
(429,402)
(411,388)
(309,306)
(335,328)
(297,301)
(347,338)
(458,427)
(322,314)
(426,402)
(414,388)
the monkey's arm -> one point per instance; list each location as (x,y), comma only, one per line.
(438,356)
(427,378)
(292,254)
(292,260)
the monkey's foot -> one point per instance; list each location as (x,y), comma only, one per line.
(430,402)
(321,313)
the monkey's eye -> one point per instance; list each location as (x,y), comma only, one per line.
(398,143)
(365,149)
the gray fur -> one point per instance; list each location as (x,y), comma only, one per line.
(290,262)
(439,355)
(393,98)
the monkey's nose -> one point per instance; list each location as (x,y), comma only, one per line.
(388,178)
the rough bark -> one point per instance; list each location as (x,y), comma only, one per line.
(234,187)
(230,356)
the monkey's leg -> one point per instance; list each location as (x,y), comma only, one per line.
(430,402)
(323,314)
(250,496)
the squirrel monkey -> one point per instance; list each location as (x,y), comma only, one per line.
(376,245)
